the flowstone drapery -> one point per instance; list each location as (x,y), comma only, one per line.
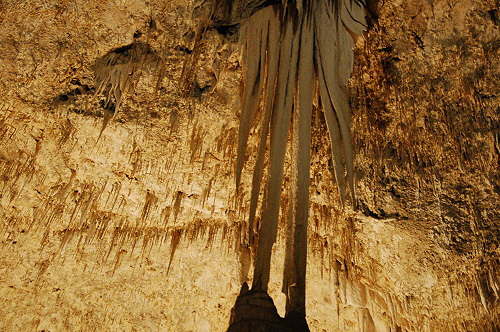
(293,51)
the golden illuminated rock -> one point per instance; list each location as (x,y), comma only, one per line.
(141,229)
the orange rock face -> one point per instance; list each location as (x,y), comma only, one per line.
(140,230)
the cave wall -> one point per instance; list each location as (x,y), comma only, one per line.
(139,229)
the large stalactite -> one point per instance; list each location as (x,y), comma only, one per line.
(289,49)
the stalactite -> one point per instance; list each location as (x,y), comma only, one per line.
(195,230)
(149,205)
(189,66)
(177,204)
(174,122)
(8,224)
(229,147)
(219,140)
(277,69)
(212,233)
(165,215)
(206,192)
(118,71)
(115,192)
(118,259)
(225,231)
(122,204)
(146,240)
(42,269)
(174,242)
(193,140)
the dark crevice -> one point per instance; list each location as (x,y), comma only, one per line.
(493,15)
(72,94)
(137,34)
(183,49)
(418,40)
(85,112)
(197,91)
(380,214)
(231,32)
(123,49)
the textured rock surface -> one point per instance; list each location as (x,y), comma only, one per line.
(88,228)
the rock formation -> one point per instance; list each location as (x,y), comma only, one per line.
(141,229)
